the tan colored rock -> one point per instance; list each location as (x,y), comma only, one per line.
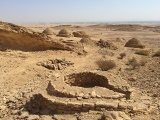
(98,96)
(88,105)
(59,66)
(2,108)
(100,104)
(33,117)
(24,115)
(115,115)
(79,98)
(132,79)
(140,107)
(124,105)
(86,96)
(93,94)
(72,93)
(124,116)
(14,28)
(74,104)
(113,105)
(81,95)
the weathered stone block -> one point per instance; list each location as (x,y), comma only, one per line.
(123,105)
(100,104)
(140,107)
(107,105)
(88,105)
(74,105)
(113,105)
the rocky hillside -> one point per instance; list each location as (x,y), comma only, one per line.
(20,38)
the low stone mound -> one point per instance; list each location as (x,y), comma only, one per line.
(106,44)
(48,31)
(81,92)
(87,92)
(87,41)
(55,64)
(81,34)
(41,104)
(14,28)
(135,43)
(64,33)
(90,80)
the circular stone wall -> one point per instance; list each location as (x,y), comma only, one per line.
(86,79)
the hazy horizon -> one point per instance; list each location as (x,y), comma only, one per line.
(79,11)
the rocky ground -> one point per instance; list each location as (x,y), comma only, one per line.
(24,77)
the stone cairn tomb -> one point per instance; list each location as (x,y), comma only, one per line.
(89,92)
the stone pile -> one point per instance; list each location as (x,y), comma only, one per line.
(69,98)
(134,43)
(88,41)
(81,93)
(55,64)
(106,44)
(81,34)
(72,102)
(60,106)
(64,33)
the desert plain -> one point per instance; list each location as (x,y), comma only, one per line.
(79,71)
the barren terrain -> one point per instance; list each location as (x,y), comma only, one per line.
(89,77)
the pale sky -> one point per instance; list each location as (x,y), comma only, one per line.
(23,11)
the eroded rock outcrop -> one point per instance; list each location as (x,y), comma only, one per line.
(55,64)
(20,38)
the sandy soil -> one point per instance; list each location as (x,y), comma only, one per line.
(20,74)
